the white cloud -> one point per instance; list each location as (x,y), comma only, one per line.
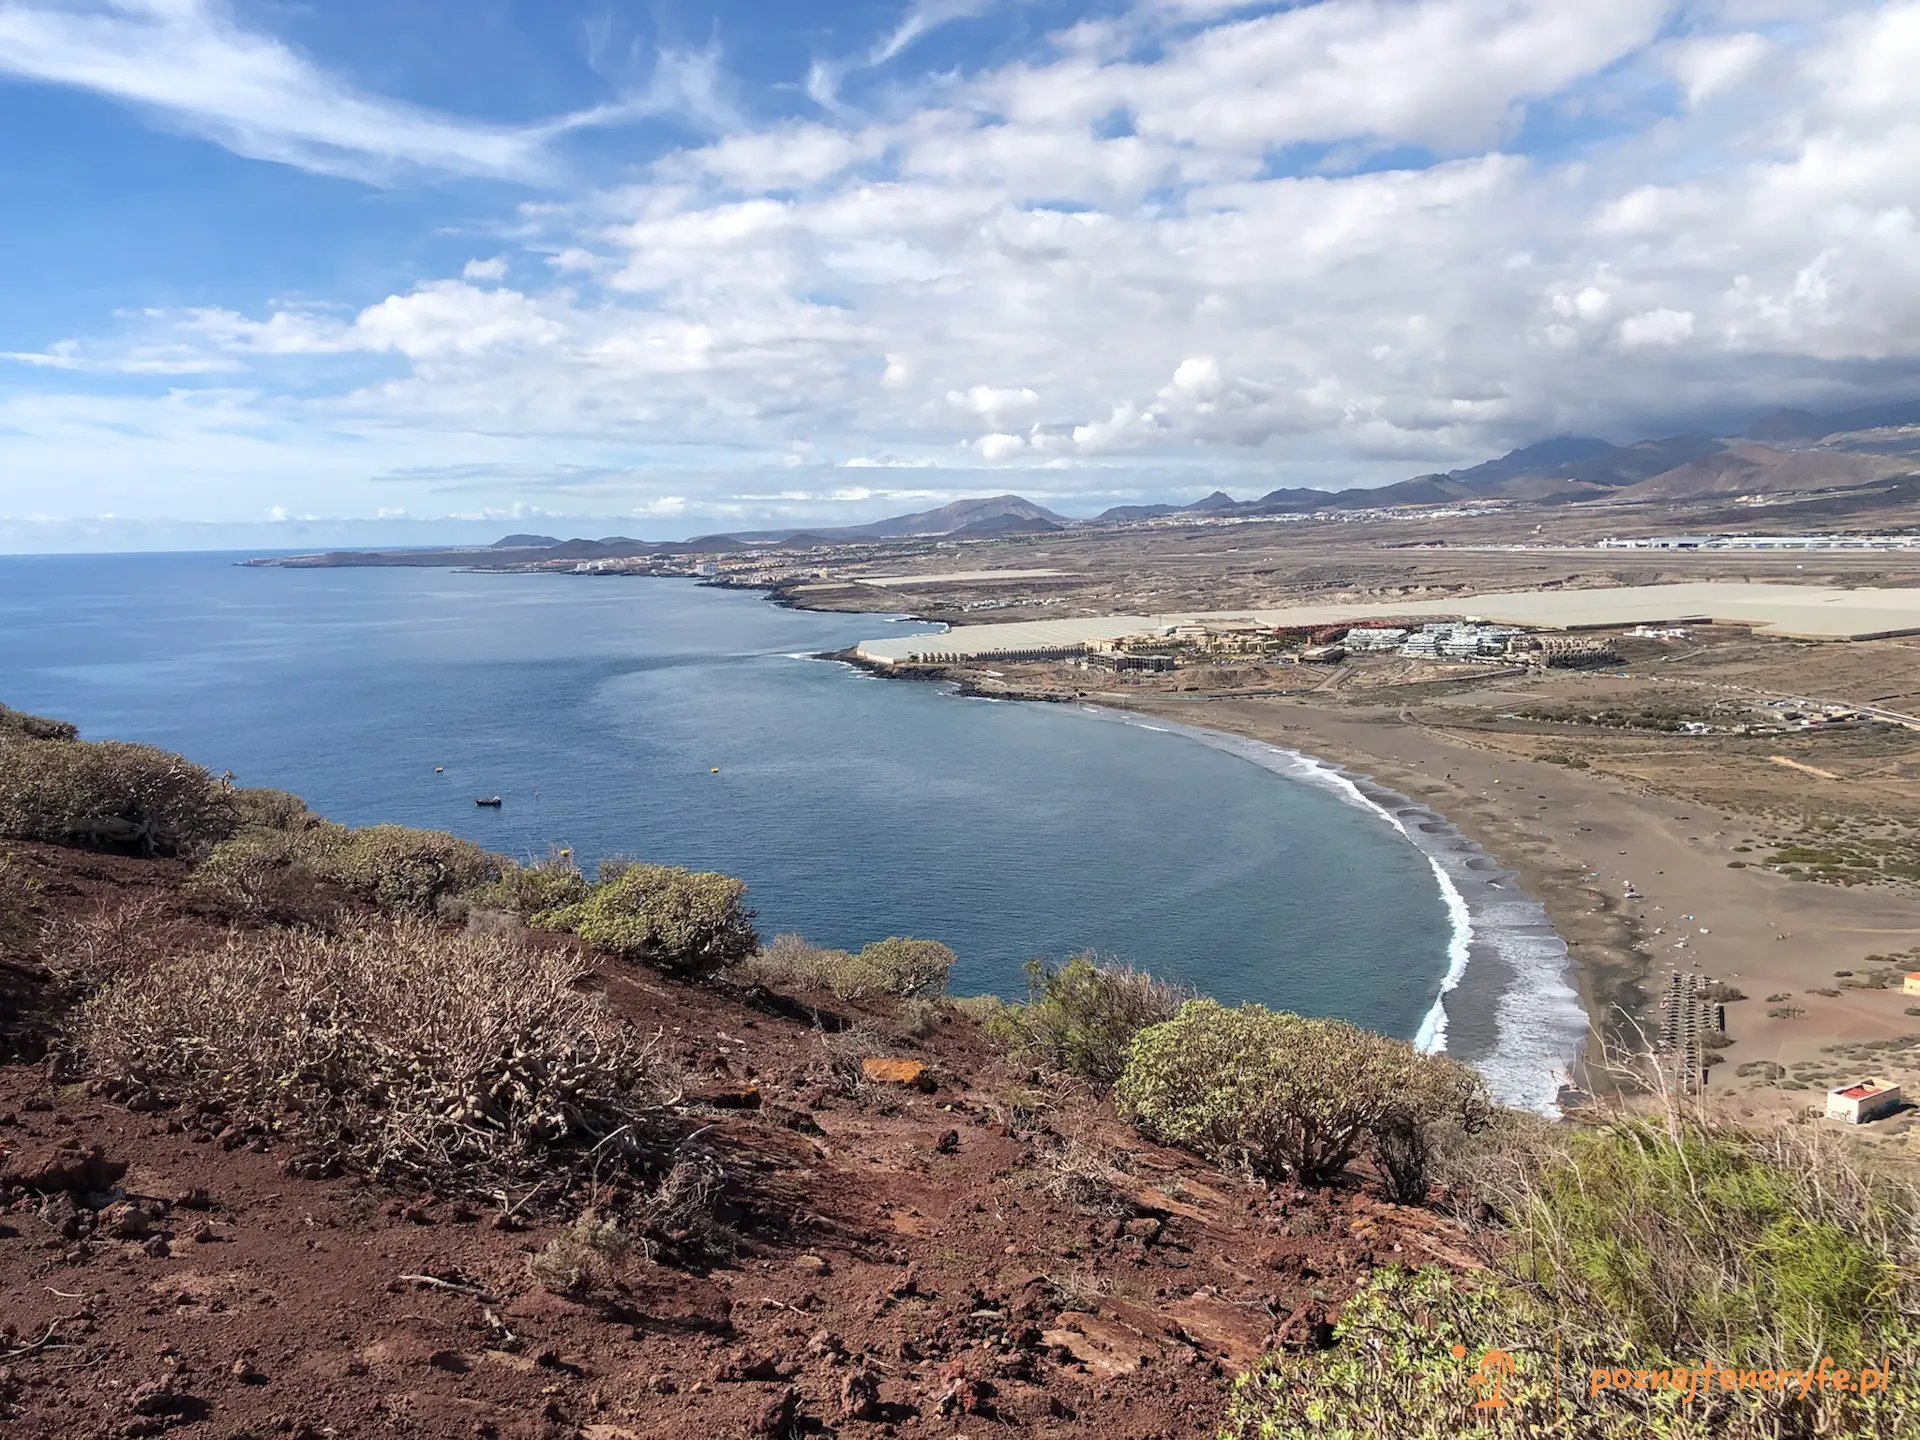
(1657,327)
(1092,258)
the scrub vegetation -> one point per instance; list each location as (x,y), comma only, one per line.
(1711,1258)
(332,993)
(397,1049)
(1080,1017)
(1282,1096)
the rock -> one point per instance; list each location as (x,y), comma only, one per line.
(750,1366)
(203,1233)
(889,1070)
(964,1395)
(779,1415)
(791,1119)
(124,1220)
(51,1169)
(158,1247)
(59,1214)
(860,1395)
(195,1199)
(1146,1229)
(827,1345)
(247,1373)
(812,1264)
(156,1397)
(948,1143)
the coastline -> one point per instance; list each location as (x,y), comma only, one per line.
(1511,1000)
(1506,1004)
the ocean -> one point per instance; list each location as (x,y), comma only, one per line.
(691,725)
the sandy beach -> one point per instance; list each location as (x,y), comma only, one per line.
(1578,839)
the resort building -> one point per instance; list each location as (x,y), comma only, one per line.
(1564,651)
(1448,641)
(1911,985)
(1375,638)
(1863,1102)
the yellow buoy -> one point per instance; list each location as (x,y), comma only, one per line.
(714,771)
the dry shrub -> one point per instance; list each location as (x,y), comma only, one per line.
(683,1210)
(111,795)
(19,725)
(1080,1017)
(590,1254)
(693,923)
(1279,1094)
(19,905)
(1088,1176)
(841,1054)
(110,939)
(897,967)
(399,1050)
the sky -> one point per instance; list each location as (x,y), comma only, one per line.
(388,271)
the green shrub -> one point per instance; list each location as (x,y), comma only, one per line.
(590,1254)
(1392,1374)
(128,797)
(1081,1017)
(19,725)
(271,809)
(687,921)
(1658,1249)
(261,875)
(904,967)
(896,967)
(400,1050)
(981,1009)
(550,884)
(268,872)
(1684,1240)
(1281,1094)
(403,870)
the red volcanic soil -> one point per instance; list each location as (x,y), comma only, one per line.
(901,1264)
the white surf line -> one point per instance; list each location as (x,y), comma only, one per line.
(1539,1024)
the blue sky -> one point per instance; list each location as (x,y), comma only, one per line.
(418,269)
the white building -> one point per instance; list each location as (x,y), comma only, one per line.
(1866,1101)
(1375,638)
(1447,641)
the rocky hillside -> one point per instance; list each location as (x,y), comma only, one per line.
(909,1230)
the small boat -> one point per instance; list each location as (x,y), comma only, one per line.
(714,771)
(492,801)
(439,769)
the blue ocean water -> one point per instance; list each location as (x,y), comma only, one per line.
(854,807)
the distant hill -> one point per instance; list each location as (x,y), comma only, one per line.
(1785,452)
(523,542)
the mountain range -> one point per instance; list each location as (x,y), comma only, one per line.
(1783,453)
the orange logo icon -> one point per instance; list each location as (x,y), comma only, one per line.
(1494,1368)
